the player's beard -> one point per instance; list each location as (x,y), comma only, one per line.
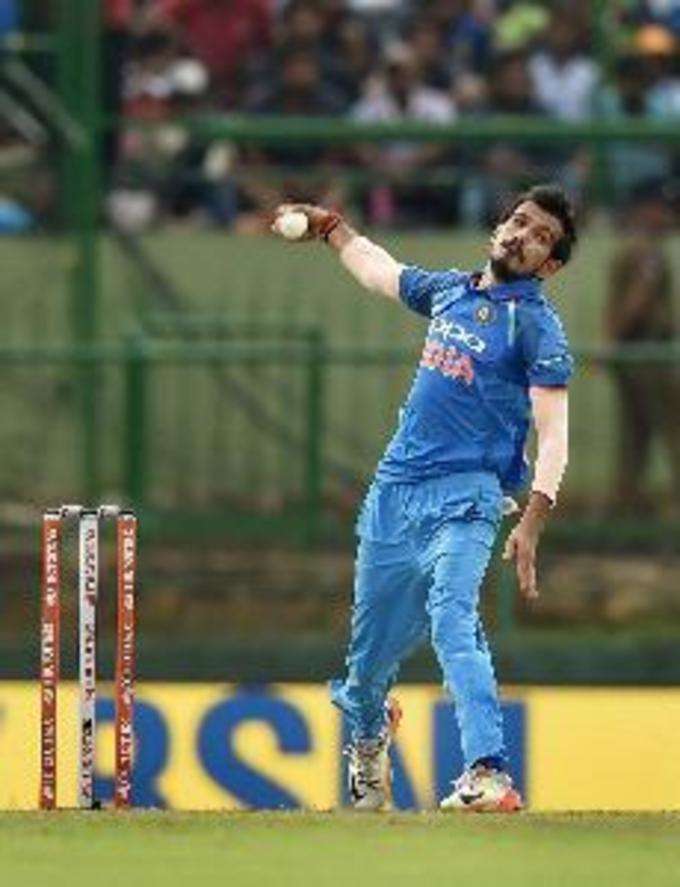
(503,273)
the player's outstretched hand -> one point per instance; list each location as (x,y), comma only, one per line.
(520,546)
(523,540)
(318,219)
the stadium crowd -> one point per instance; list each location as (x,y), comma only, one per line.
(385,60)
(376,60)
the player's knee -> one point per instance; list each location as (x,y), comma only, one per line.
(450,607)
(454,630)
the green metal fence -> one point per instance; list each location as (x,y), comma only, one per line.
(177,440)
(232,386)
(264,433)
(91,295)
(67,101)
(237,309)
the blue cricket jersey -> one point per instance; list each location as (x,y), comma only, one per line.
(469,408)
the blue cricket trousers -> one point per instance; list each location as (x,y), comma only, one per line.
(422,554)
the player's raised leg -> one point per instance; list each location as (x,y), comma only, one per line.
(388,620)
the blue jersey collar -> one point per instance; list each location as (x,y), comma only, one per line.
(526,289)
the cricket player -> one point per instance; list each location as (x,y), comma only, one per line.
(495,357)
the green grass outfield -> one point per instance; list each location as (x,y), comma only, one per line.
(69,848)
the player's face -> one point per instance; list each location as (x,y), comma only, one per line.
(522,245)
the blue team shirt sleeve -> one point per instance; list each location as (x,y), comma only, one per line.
(545,347)
(425,291)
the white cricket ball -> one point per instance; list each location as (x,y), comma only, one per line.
(292,225)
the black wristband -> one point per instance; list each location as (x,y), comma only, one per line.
(551,502)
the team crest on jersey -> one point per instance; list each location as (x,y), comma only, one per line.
(485,314)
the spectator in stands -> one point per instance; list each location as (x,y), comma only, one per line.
(564,78)
(9,16)
(510,86)
(399,93)
(466,26)
(298,91)
(118,16)
(311,57)
(337,14)
(223,34)
(519,26)
(168,167)
(303,25)
(664,12)
(496,172)
(564,82)
(640,309)
(147,86)
(300,31)
(427,42)
(201,183)
(470,93)
(630,163)
(27,192)
(660,50)
(355,53)
(145,155)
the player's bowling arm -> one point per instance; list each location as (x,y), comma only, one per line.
(370,265)
(550,408)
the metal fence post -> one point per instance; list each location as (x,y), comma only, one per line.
(79,74)
(316,366)
(135,433)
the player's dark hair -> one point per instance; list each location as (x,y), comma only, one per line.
(553,200)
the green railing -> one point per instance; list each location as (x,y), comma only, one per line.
(291,130)
(154,417)
(71,106)
(245,291)
(161,465)
(600,136)
(297,421)
(134,421)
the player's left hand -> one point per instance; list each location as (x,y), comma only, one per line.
(520,546)
(522,542)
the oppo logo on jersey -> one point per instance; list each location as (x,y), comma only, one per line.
(449,329)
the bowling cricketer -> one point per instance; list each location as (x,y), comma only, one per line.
(495,358)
